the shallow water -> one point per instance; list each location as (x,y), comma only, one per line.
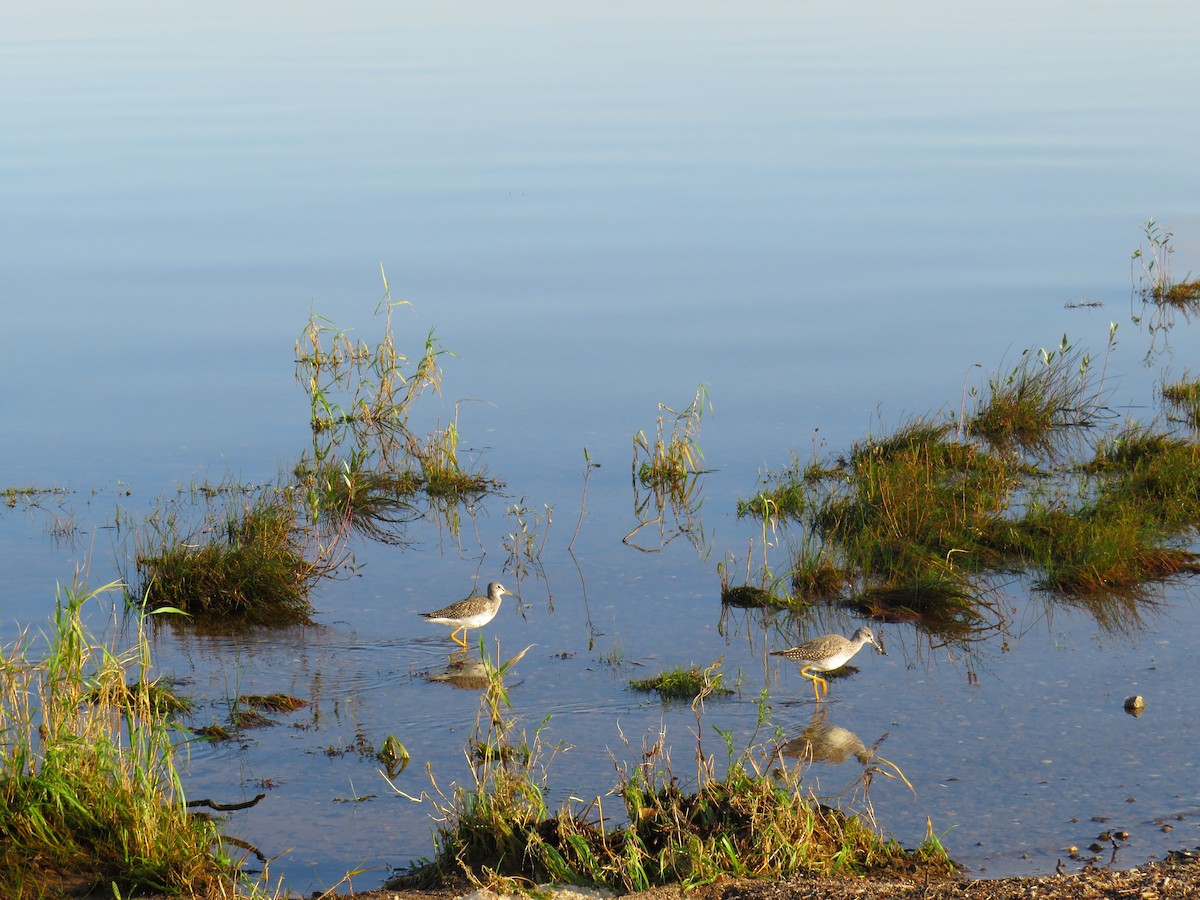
(829,215)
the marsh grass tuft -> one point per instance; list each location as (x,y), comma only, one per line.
(249,567)
(755,821)
(1160,293)
(684,683)
(364,390)
(1039,403)
(1181,398)
(89,792)
(272,702)
(29,496)
(1151,474)
(817,575)
(674,454)
(668,470)
(345,494)
(368,463)
(919,523)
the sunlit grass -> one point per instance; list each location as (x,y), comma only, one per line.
(1181,398)
(1163,296)
(666,461)
(755,821)
(918,523)
(89,789)
(684,683)
(1040,403)
(248,567)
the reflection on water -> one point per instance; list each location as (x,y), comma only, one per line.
(674,508)
(823,741)
(464,670)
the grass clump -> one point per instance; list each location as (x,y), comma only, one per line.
(1182,401)
(29,495)
(364,390)
(1152,473)
(918,524)
(684,683)
(667,469)
(348,496)
(785,495)
(817,575)
(672,456)
(273,702)
(368,462)
(1039,402)
(1156,283)
(1101,549)
(902,504)
(250,568)
(755,821)
(1163,297)
(89,793)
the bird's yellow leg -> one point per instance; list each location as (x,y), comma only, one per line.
(460,641)
(809,675)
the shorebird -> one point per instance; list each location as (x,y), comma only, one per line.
(472,612)
(826,653)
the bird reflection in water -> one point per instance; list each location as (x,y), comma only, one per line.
(825,742)
(463,670)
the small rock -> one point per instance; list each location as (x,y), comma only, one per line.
(1135,705)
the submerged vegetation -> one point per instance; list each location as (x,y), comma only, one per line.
(755,820)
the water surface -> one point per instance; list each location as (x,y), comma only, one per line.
(827,214)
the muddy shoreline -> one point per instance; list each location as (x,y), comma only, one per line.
(1175,878)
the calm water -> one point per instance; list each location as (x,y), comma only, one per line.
(829,214)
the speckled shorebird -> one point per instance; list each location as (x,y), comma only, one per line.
(473,612)
(826,653)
